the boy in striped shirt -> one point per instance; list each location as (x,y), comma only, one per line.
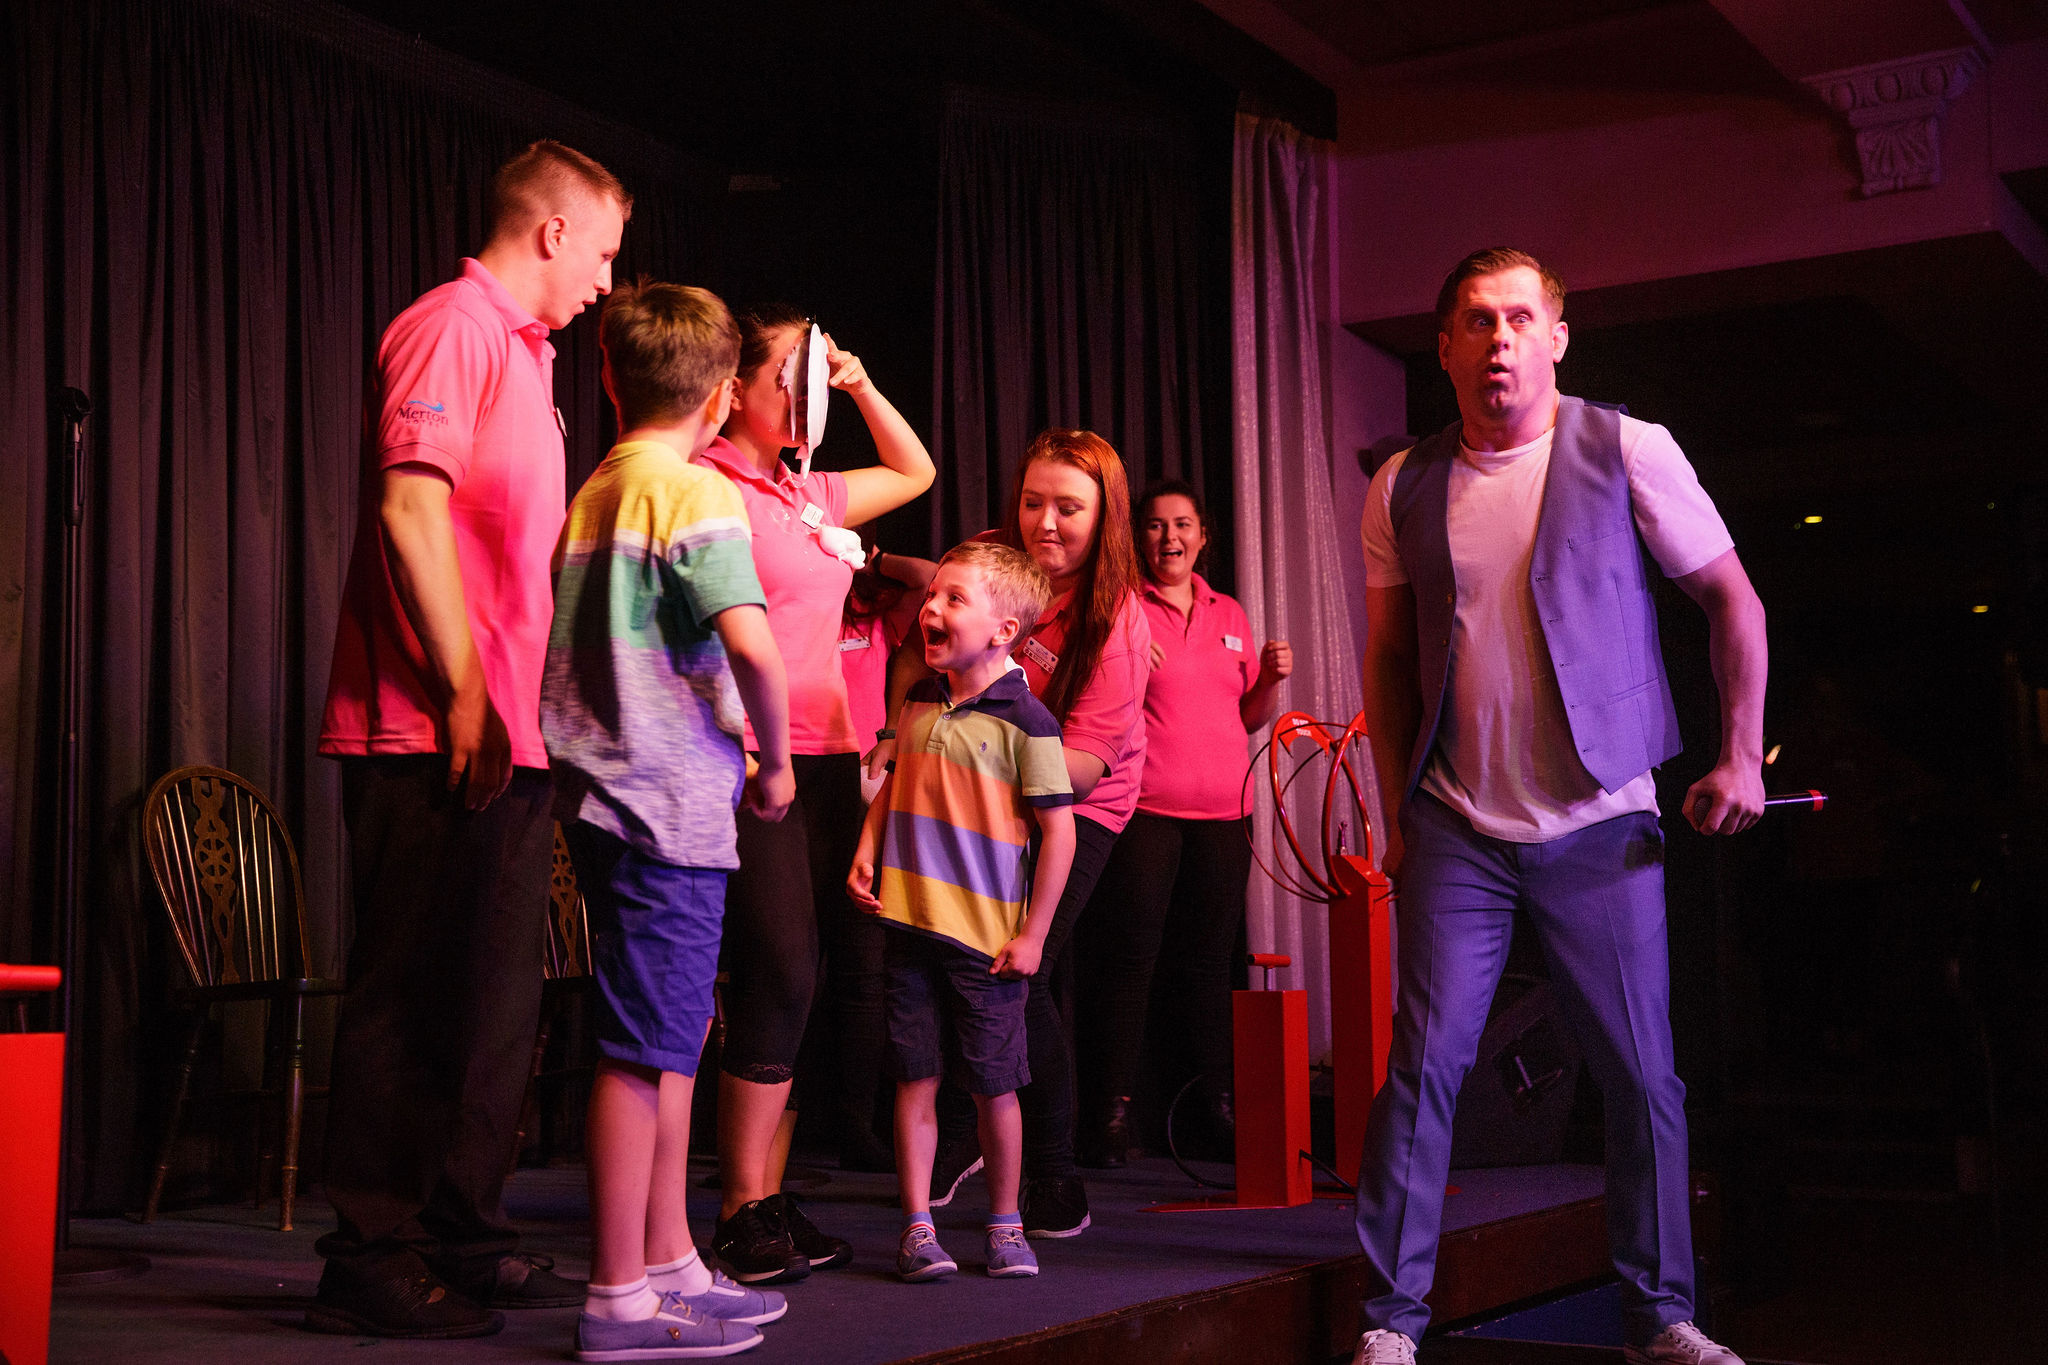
(945,858)
(660,639)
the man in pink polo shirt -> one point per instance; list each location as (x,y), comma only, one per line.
(433,708)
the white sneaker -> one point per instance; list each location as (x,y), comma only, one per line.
(1681,1344)
(1383,1347)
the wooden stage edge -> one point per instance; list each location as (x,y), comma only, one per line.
(1310,1313)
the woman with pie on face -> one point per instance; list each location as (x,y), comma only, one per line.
(1177,878)
(786,904)
(1087,659)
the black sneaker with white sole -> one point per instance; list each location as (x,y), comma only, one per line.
(1055,1206)
(757,1248)
(820,1249)
(956,1159)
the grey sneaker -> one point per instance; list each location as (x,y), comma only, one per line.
(677,1332)
(1681,1344)
(1384,1347)
(731,1302)
(1009,1252)
(919,1257)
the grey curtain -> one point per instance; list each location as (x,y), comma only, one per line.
(212,208)
(1289,540)
(1069,294)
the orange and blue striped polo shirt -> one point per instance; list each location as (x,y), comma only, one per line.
(956,846)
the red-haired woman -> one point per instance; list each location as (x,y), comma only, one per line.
(786,904)
(1177,878)
(1087,659)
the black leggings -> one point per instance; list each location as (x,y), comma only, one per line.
(785,910)
(1048,1102)
(1172,897)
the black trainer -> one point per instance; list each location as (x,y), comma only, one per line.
(415,1305)
(956,1159)
(523,1281)
(821,1250)
(756,1246)
(1055,1206)
(1108,1145)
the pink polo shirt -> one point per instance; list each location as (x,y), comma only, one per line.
(806,589)
(864,651)
(464,385)
(1195,755)
(1108,719)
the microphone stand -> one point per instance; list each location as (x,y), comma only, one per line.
(74,1265)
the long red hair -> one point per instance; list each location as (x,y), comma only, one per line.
(1109,576)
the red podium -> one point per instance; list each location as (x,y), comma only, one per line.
(1361,999)
(1271,1027)
(32,1096)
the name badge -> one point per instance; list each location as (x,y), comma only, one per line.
(860,642)
(814,515)
(1232,642)
(564,426)
(1046,660)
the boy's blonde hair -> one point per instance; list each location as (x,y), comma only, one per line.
(1016,585)
(542,179)
(667,347)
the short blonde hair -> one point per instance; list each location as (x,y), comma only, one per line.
(667,347)
(1016,585)
(540,179)
(1492,261)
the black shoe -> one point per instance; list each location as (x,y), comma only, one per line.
(821,1251)
(863,1151)
(1055,1206)
(956,1159)
(415,1305)
(522,1281)
(1109,1146)
(756,1247)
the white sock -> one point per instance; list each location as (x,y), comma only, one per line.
(688,1276)
(633,1302)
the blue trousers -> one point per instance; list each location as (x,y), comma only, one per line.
(1596,901)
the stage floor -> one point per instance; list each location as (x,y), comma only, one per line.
(225,1285)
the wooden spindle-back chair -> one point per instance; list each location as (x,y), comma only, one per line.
(565,970)
(229,878)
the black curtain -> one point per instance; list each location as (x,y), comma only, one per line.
(1074,258)
(211,210)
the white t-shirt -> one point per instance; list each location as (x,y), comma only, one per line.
(1504,756)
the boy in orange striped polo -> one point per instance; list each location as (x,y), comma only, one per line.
(945,858)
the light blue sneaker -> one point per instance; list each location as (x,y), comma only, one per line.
(1009,1252)
(728,1301)
(919,1257)
(677,1332)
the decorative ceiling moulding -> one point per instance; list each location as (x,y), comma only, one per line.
(1895,110)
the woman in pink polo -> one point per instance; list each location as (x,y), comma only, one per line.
(881,609)
(1177,876)
(1087,659)
(786,906)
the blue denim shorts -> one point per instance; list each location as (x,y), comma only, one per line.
(947,1013)
(654,931)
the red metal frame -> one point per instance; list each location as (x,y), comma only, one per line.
(32,1097)
(1272,1026)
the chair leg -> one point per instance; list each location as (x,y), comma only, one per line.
(266,1139)
(528,1107)
(294,1112)
(178,1094)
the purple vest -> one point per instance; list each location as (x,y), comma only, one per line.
(1592,595)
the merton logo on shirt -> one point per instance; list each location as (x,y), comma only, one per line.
(422,412)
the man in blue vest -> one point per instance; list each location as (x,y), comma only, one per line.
(1516,695)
